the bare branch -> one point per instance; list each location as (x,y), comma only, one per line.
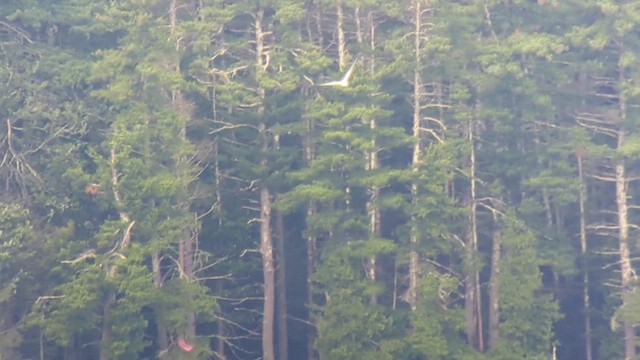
(49,297)
(20,32)
(231,127)
(603,178)
(89,254)
(603,227)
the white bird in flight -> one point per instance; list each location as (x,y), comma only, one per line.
(344,82)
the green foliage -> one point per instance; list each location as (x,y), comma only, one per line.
(523,308)
(350,329)
(159,120)
(14,236)
(76,308)
(348,326)
(434,325)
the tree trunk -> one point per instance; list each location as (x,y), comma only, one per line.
(266,249)
(374,218)
(494,293)
(473,305)
(342,63)
(110,296)
(372,164)
(41,345)
(311,269)
(281,287)
(163,341)
(309,153)
(414,236)
(185,256)
(70,351)
(266,240)
(319,27)
(585,268)
(342,42)
(186,245)
(626,271)
(549,213)
(107,332)
(218,209)
(220,340)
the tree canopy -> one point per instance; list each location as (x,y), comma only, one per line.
(329,179)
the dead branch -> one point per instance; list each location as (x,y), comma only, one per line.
(490,23)
(251,186)
(245,251)
(603,227)
(89,254)
(216,277)
(455,237)
(210,265)
(227,75)
(17,158)
(603,178)
(446,268)
(49,297)
(20,32)
(48,140)
(434,134)
(181,272)
(115,184)
(231,127)
(126,238)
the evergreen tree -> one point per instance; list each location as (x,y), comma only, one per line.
(329,179)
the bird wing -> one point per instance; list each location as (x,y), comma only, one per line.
(347,76)
(184,345)
(331,83)
(308,79)
(345,79)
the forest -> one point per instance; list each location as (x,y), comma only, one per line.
(319,179)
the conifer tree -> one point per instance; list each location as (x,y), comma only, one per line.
(611,93)
(335,179)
